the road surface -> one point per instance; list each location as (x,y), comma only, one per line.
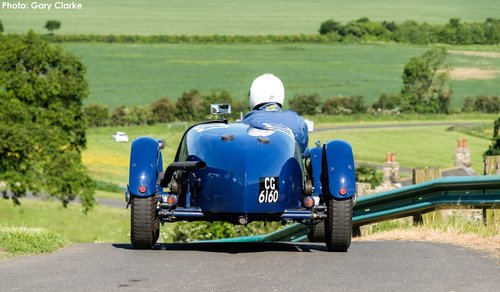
(368,266)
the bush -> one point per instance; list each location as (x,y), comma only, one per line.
(487,104)
(330,26)
(119,116)
(468,106)
(481,103)
(387,102)
(96,115)
(191,107)
(190,231)
(140,115)
(239,108)
(163,110)
(305,104)
(368,174)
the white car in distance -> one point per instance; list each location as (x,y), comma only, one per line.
(120,137)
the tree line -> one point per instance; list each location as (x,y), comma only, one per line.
(363,29)
(190,106)
(454,32)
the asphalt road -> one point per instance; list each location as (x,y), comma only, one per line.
(368,266)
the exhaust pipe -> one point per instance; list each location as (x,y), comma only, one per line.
(180,165)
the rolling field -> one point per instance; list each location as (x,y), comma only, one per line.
(124,74)
(235,17)
(414,147)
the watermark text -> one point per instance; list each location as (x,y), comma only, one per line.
(45,6)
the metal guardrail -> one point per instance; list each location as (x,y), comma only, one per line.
(442,193)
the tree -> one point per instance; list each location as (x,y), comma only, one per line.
(425,83)
(1,26)
(163,110)
(42,127)
(52,25)
(191,107)
(96,115)
(305,104)
(495,145)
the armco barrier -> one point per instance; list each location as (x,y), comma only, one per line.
(442,193)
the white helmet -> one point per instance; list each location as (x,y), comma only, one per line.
(266,88)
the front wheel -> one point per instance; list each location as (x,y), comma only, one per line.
(338,225)
(144,224)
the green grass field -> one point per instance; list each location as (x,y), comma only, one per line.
(123,74)
(236,17)
(414,147)
(101,224)
(108,161)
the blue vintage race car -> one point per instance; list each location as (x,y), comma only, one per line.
(236,173)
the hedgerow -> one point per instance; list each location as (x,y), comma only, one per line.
(454,32)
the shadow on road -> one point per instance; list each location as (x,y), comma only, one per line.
(234,247)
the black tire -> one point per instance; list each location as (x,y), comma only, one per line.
(338,225)
(144,224)
(316,232)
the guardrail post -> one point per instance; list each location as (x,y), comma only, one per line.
(422,174)
(362,189)
(491,167)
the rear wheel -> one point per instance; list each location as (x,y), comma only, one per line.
(316,232)
(338,225)
(144,224)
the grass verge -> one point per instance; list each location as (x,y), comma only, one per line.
(27,241)
(459,227)
(101,224)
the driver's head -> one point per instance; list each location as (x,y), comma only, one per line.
(265,89)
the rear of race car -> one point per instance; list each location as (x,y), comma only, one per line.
(250,174)
(239,174)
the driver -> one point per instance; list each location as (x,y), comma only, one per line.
(267,95)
